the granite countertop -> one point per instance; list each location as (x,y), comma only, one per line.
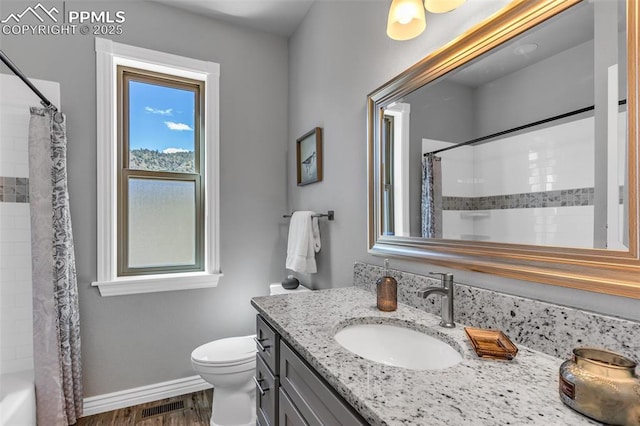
(475,392)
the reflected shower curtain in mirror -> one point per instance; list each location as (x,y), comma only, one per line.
(56,318)
(431,196)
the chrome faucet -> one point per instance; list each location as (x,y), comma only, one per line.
(446,291)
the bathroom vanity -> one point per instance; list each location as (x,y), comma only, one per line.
(314,376)
(289,391)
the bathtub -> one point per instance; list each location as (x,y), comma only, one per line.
(17,399)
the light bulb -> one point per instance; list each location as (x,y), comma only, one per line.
(406,12)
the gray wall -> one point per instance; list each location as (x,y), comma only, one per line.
(537,92)
(130,341)
(337,56)
(444,111)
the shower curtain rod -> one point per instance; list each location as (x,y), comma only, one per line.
(515,129)
(43,99)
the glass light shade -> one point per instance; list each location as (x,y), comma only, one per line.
(442,6)
(406,19)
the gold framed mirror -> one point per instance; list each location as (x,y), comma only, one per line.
(563,208)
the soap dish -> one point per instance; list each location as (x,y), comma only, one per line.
(492,344)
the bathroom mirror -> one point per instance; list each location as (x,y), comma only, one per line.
(513,149)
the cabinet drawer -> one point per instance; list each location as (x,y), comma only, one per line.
(289,416)
(316,401)
(266,394)
(267,342)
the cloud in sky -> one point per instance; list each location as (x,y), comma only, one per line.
(174,150)
(167,111)
(177,126)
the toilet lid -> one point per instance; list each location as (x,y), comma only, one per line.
(230,350)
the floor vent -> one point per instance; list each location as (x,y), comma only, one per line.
(161,409)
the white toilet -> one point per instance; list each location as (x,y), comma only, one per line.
(229,365)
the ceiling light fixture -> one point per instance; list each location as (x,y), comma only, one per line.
(442,6)
(407,17)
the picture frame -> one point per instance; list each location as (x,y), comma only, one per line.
(309,157)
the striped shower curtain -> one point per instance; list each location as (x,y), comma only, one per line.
(56,319)
(431,196)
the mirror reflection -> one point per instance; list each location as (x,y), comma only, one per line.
(526,144)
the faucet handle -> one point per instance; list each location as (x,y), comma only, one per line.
(440,274)
(444,276)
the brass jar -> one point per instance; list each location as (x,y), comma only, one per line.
(602,385)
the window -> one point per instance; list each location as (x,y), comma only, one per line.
(160,191)
(157,171)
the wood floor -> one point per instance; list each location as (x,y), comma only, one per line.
(189,410)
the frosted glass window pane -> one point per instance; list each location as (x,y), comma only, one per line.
(162,223)
(161,128)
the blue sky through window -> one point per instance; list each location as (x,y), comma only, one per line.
(161,118)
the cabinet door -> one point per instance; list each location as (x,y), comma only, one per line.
(316,401)
(266,394)
(267,344)
(289,416)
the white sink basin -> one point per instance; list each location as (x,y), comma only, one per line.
(398,346)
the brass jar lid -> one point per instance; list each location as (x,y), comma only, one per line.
(604,361)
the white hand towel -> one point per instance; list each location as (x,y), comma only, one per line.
(303,243)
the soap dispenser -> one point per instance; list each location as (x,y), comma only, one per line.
(387,290)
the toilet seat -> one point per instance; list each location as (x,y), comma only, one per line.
(228,352)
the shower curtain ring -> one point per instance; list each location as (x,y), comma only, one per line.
(57,115)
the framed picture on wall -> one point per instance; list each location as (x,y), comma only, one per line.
(309,157)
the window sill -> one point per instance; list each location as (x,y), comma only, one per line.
(156,283)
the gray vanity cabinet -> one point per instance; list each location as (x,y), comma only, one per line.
(289,414)
(266,394)
(300,395)
(317,403)
(267,342)
(267,380)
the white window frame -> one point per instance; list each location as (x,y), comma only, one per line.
(401,112)
(109,55)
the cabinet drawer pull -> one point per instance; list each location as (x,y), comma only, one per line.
(257,382)
(259,343)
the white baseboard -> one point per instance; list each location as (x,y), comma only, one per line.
(130,397)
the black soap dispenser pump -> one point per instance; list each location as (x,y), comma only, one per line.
(387,290)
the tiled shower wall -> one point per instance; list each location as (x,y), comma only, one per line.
(529,188)
(16,347)
(16,330)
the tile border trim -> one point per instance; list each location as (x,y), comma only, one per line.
(14,189)
(529,200)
